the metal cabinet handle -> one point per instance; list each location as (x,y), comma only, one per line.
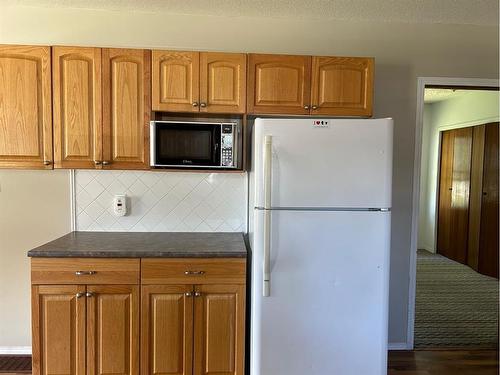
(89,294)
(194,272)
(106,162)
(314,107)
(97,162)
(195,104)
(47,162)
(203,105)
(188,294)
(85,273)
(306,107)
(80,294)
(197,294)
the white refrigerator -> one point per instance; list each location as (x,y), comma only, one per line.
(319,228)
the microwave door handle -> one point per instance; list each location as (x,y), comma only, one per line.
(266,292)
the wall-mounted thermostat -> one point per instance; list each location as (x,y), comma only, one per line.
(120,205)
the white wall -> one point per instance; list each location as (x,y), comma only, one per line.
(34,208)
(468,109)
(403,52)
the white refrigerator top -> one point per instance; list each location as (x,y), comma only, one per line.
(325,163)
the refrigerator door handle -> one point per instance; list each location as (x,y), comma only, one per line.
(266,291)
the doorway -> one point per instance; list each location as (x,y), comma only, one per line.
(454,285)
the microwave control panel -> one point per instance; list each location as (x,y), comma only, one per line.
(227,141)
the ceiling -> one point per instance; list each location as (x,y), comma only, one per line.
(437,95)
(476,12)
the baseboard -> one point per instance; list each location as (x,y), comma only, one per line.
(398,346)
(15,350)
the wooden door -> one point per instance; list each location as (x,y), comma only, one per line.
(279,84)
(113,329)
(219,330)
(167,329)
(77,107)
(59,325)
(126,82)
(342,86)
(488,240)
(223,82)
(453,216)
(25,107)
(176,81)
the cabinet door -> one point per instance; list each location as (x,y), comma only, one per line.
(488,239)
(126,108)
(77,107)
(113,329)
(176,81)
(279,84)
(167,329)
(58,323)
(25,107)
(223,82)
(342,86)
(219,330)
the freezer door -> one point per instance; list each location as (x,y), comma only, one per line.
(342,163)
(328,306)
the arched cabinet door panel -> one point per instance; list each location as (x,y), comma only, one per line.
(25,107)
(222,82)
(77,107)
(176,81)
(342,86)
(279,84)
(126,94)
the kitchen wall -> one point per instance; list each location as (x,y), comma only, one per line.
(403,52)
(159,202)
(467,109)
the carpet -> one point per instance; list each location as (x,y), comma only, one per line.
(16,364)
(456,307)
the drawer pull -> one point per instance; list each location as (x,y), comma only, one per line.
(85,273)
(194,272)
(188,294)
(80,294)
(89,294)
(197,294)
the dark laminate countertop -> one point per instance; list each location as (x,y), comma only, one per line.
(144,245)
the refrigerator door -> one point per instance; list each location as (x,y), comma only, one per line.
(328,306)
(342,163)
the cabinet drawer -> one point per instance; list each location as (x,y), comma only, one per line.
(84,271)
(193,271)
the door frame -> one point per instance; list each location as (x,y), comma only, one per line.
(421,83)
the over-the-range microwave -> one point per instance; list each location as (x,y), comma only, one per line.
(193,144)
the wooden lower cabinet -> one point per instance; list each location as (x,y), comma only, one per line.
(219,330)
(113,329)
(167,329)
(59,325)
(91,326)
(80,329)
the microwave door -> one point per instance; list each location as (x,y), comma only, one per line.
(187,145)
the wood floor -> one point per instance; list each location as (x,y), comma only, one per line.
(443,362)
(438,362)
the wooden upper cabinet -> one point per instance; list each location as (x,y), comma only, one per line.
(342,86)
(223,82)
(113,329)
(279,84)
(176,81)
(167,329)
(77,107)
(59,323)
(220,333)
(126,82)
(25,107)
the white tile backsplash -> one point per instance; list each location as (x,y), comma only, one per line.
(161,201)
